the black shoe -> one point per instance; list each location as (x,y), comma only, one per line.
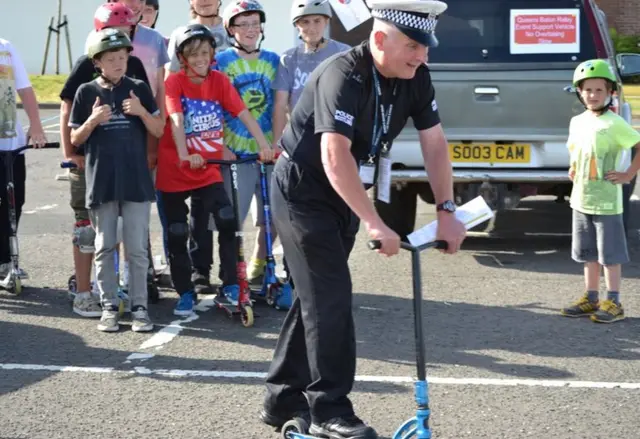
(201,283)
(278,419)
(348,427)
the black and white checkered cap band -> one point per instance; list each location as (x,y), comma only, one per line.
(407,19)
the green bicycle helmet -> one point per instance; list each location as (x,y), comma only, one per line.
(595,68)
(106,40)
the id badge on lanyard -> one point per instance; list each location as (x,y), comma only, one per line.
(379,148)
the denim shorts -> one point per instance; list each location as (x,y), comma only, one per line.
(598,238)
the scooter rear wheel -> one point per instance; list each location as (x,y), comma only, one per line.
(246,316)
(16,285)
(296,425)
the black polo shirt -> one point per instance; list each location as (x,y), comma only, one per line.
(340,97)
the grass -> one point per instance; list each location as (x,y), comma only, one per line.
(47,87)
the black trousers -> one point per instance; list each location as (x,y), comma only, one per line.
(198,258)
(19,180)
(316,351)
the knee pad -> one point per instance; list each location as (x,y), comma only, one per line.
(84,237)
(178,233)
(227,218)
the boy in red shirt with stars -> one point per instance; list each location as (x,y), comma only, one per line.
(196,97)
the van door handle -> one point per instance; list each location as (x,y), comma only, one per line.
(486,91)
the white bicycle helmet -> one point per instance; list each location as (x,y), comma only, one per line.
(301,8)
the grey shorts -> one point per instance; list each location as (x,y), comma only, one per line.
(249,191)
(598,238)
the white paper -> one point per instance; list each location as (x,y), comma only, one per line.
(470,214)
(384,180)
(536,31)
(352,13)
(367,173)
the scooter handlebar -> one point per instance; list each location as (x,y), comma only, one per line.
(48,145)
(375,244)
(239,159)
(68,165)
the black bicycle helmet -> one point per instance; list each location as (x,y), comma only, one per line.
(191,32)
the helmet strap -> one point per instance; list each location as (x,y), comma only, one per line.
(216,14)
(189,68)
(601,110)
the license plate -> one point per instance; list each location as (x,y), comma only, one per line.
(489,153)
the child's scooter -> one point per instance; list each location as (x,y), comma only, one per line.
(12,281)
(152,287)
(243,306)
(276,293)
(418,426)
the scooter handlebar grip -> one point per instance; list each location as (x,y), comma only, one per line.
(68,165)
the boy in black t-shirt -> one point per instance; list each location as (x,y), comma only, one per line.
(84,70)
(113,117)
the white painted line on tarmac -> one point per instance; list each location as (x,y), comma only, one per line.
(169,332)
(182,373)
(37,209)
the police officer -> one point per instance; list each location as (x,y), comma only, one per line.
(337,143)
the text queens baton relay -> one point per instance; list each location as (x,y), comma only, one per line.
(339,135)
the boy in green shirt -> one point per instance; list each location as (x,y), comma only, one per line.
(600,144)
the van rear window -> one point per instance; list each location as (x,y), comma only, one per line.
(503,31)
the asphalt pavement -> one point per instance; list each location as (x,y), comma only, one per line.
(502,362)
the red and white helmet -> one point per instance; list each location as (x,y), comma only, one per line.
(113,15)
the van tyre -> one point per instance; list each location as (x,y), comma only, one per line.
(400,213)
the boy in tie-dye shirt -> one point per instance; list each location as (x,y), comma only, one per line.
(251,71)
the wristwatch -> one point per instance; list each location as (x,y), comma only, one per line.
(447,206)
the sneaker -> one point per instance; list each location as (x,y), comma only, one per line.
(109,320)
(348,427)
(123,295)
(87,305)
(185,305)
(141,320)
(256,271)
(580,308)
(609,312)
(231,292)
(278,419)
(201,283)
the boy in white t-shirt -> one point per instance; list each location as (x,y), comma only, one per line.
(14,79)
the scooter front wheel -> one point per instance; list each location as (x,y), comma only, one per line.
(296,425)
(246,316)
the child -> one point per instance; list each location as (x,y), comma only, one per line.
(150,13)
(311,19)
(252,71)
(109,15)
(14,79)
(113,117)
(196,99)
(599,143)
(205,12)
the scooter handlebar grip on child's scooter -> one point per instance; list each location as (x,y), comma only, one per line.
(68,165)
(239,159)
(375,244)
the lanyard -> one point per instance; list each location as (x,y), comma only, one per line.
(378,132)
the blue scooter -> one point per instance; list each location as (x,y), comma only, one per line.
(418,426)
(275,292)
